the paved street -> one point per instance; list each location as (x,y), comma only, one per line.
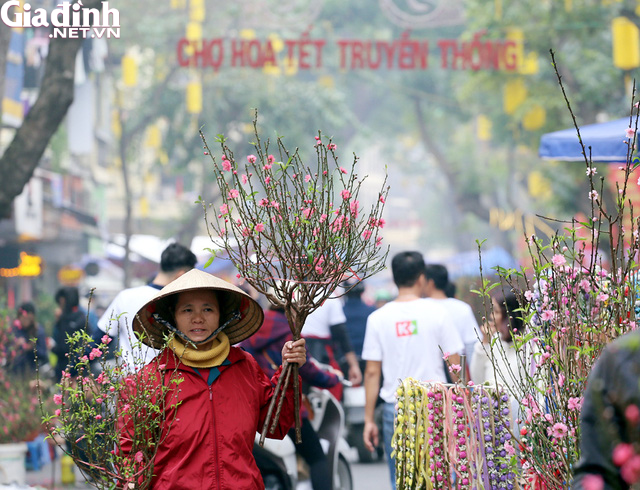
(370,476)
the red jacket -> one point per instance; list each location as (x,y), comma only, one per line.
(210,442)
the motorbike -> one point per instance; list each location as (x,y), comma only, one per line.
(277,460)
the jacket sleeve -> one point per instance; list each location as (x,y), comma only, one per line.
(313,375)
(286,420)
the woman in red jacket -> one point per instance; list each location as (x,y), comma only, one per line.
(223,396)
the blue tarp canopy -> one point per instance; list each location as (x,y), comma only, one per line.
(607,141)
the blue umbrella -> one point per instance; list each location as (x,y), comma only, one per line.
(607,140)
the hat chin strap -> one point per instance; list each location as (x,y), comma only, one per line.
(234,317)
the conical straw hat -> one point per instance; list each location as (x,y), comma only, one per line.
(233,301)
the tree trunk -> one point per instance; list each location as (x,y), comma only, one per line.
(31,139)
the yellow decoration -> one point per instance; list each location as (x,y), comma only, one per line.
(144,207)
(247,34)
(568,5)
(515,93)
(129,71)
(154,137)
(483,128)
(539,186)
(276,43)
(271,69)
(178,4)
(626,43)
(529,64)
(194,98)
(116,127)
(194,31)
(534,118)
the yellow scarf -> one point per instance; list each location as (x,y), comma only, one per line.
(198,358)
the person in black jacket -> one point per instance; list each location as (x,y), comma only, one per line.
(26,330)
(71,319)
(610,419)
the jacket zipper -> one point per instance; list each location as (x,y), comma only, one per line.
(215,439)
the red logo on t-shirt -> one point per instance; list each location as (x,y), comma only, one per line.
(403,329)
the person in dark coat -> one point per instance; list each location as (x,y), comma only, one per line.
(71,319)
(610,419)
(31,341)
(264,346)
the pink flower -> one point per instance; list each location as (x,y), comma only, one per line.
(233,193)
(445,355)
(621,453)
(251,159)
(323,217)
(630,132)
(307,178)
(105,339)
(593,195)
(57,399)
(547,315)
(267,180)
(139,457)
(343,170)
(575,403)
(558,430)
(382,200)
(630,471)
(381,223)
(332,146)
(263,202)
(558,260)
(318,269)
(267,167)
(632,414)
(271,159)
(366,234)
(275,204)
(593,482)
(226,165)
(354,208)
(244,178)
(345,194)
(224,209)
(259,227)
(307,212)
(455,368)
(98,417)
(57,412)
(246,232)
(378,241)
(95,353)
(99,400)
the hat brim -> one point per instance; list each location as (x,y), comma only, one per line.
(233,301)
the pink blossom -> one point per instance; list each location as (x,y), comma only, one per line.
(366,234)
(381,223)
(267,167)
(332,146)
(558,430)
(455,368)
(263,202)
(105,339)
(226,165)
(593,195)
(378,241)
(271,159)
(259,227)
(528,295)
(307,178)
(630,471)
(621,453)
(244,178)
(585,286)
(592,482)
(275,204)
(547,315)
(318,269)
(57,412)
(558,260)
(99,400)
(139,457)
(354,208)
(267,180)
(95,353)
(233,193)
(575,403)
(307,212)
(98,417)
(246,232)
(345,194)
(630,132)
(251,158)
(343,170)
(446,355)
(224,209)
(57,399)
(592,171)
(632,414)
(382,200)
(602,297)
(323,217)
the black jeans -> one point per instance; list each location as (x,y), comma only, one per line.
(311,451)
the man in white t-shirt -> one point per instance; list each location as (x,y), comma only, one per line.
(459,313)
(325,330)
(405,338)
(118,317)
